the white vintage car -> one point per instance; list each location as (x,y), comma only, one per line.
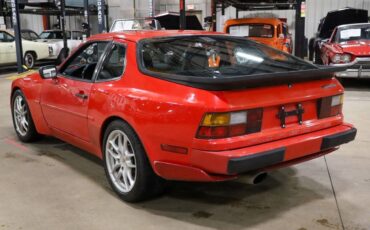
(32,51)
(54,38)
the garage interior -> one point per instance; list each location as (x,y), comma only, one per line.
(54,185)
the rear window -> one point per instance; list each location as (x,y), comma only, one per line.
(213,57)
(252,30)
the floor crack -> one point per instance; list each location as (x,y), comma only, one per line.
(335,195)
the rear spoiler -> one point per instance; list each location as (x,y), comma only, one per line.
(251,81)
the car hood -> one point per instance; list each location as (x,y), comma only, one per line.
(341,17)
(356,48)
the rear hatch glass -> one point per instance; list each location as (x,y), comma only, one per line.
(221,61)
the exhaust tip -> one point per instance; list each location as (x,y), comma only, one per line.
(259,178)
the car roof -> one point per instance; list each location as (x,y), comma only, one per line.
(273,21)
(353,25)
(137,35)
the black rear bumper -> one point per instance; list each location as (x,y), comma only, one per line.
(338,139)
(276,156)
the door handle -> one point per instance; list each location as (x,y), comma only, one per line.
(81,95)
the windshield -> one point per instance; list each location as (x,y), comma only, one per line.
(252,30)
(135,24)
(354,34)
(214,57)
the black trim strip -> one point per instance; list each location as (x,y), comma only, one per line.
(255,161)
(338,139)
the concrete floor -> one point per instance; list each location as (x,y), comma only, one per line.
(52,185)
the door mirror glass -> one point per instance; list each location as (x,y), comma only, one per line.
(48,72)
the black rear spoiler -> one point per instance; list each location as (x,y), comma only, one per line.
(250,81)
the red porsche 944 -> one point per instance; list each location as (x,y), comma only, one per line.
(183,105)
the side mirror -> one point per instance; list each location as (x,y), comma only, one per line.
(48,72)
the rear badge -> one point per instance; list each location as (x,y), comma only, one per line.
(328,86)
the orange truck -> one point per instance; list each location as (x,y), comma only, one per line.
(269,31)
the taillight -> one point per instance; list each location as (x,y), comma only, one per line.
(330,106)
(223,125)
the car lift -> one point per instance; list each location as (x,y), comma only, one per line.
(62,12)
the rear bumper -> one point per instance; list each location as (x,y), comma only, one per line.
(223,165)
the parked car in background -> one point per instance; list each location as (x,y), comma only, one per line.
(269,31)
(327,25)
(32,51)
(55,40)
(349,45)
(183,105)
(120,25)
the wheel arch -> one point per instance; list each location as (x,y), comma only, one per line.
(109,120)
(32,52)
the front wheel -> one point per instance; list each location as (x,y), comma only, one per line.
(126,165)
(22,119)
(29,60)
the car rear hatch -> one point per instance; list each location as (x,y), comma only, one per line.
(271,113)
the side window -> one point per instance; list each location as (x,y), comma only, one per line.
(82,65)
(2,37)
(5,37)
(114,64)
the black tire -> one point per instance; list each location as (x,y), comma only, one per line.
(317,57)
(31,134)
(29,60)
(147,183)
(62,56)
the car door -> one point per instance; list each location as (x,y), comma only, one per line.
(7,48)
(65,99)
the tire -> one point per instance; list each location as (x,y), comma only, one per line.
(128,171)
(29,60)
(22,118)
(62,56)
(317,58)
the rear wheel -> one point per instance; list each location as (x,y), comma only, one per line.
(126,165)
(22,119)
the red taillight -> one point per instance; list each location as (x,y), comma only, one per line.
(223,125)
(330,106)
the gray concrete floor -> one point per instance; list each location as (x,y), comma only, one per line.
(52,185)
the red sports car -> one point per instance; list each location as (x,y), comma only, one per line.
(182,105)
(349,45)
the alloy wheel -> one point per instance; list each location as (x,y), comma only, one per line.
(20,114)
(121,161)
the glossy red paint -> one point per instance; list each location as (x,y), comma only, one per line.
(166,113)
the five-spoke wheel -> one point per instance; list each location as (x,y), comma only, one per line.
(22,119)
(121,162)
(126,164)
